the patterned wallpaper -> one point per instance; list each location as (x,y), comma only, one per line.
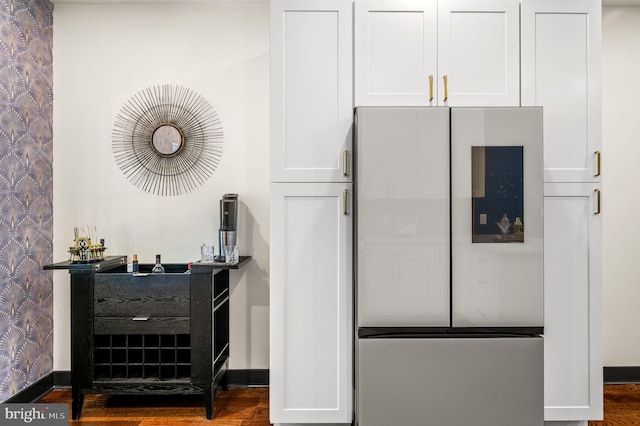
(26,193)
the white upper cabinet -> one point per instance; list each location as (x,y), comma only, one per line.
(479,52)
(561,72)
(429,52)
(396,52)
(311,90)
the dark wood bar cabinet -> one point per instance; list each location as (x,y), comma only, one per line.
(148,333)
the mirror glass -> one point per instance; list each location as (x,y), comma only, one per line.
(167,139)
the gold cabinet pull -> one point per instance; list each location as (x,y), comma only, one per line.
(345,163)
(598,156)
(446,87)
(597,191)
(431,88)
(345,201)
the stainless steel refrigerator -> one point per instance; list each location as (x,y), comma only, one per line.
(449,267)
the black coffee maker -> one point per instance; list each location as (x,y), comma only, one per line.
(228,223)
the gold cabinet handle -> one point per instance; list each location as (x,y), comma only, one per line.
(345,163)
(345,201)
(597,191)
(431,88)
(446,87)
(599,157)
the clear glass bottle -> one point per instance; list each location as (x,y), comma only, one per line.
(158,269)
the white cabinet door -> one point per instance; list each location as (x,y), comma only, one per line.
(479,52)
(311,303)
(561,72)
(311,90)
(573,299)
(395,52)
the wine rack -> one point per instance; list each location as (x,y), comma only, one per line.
(142,357)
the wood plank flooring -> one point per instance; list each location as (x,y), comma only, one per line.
(621,406)
(235,407)
(250,407)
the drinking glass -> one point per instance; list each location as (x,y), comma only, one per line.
(207,253)
(231,254)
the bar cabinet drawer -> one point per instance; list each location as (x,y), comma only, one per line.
(153,295)
(142,325)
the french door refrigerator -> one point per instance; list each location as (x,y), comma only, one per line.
(449,278)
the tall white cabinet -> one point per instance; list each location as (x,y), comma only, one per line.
(311,284)
(561,72)
(437,52)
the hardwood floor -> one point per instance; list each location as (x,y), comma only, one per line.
(250,407)
(235,407)
(621,406)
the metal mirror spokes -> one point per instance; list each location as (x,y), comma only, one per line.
(167,140)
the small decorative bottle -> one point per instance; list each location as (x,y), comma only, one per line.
(135,268)
(518,234)
(158,269)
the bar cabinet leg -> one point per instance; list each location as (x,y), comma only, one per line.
(208,401)
(77,398)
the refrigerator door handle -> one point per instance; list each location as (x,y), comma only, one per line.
(446,87)
(431,88)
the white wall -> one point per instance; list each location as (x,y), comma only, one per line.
(621,174)
(103,55)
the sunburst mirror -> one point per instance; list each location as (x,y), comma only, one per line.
(167,140)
